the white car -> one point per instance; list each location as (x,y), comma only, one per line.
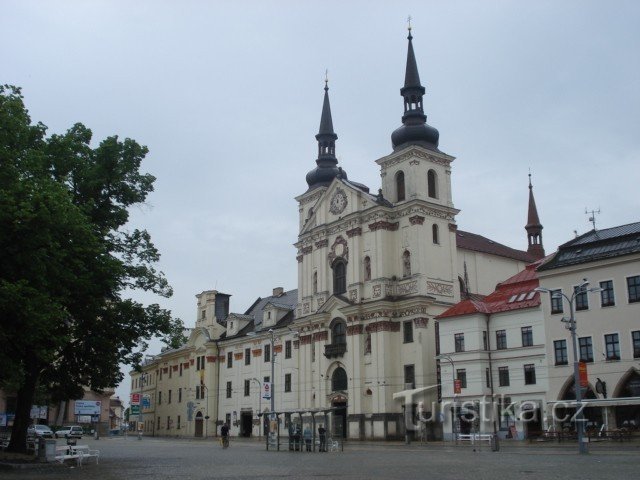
(74,431)
(40,431)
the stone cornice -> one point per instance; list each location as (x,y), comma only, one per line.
(382,225)
(378,213)
(311,196)
(415,152)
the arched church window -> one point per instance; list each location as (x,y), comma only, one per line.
(400,186)
(339,380)
(406,264)
(367,268)
(434,233)
(432,184)
(315,282)
(339,277)
(339,333)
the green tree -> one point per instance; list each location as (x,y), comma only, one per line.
(68,259)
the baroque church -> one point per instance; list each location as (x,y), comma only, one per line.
(374,270)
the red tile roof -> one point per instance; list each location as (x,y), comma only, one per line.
(478,243)
(515,293)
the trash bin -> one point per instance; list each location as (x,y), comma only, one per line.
(495,443)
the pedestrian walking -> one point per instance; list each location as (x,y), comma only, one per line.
(322,432)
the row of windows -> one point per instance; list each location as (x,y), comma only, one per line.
(432,185)
(503,376)
(607,295)
(200,365)
(266,354)
(526,334)
(585,346)
(170,423)
(170,392)
(340,267)
(247,385)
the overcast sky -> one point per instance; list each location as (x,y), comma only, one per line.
(228,95)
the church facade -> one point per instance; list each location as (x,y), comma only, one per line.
(374,270)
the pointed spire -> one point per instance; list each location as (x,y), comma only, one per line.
(414,129)
(532,218)
(534,227)
(411,76)
(327,162)
(326,122)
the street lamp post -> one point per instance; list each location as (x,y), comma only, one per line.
(571,326)
(454,420)
(142,378)
(259,403)
(206,416)
(273,357)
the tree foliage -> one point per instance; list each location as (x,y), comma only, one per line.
(67,259)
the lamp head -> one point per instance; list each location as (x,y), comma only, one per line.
(542,290)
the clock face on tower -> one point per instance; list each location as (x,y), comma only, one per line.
(338,202)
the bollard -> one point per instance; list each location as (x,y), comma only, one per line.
(495,443)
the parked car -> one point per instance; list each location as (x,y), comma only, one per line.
(40,431)
(74,431)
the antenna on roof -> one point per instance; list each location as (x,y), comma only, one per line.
(593,213)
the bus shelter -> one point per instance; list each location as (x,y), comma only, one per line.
(304,430)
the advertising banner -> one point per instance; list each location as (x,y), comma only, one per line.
(135,409)
(266,390)
(87,407)
(457,386)
(146,401)
(135,399)
(584,377)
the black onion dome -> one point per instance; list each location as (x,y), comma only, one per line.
(322,176)
(327,162)
(414,129)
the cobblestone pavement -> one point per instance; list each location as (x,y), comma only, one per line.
(159,458)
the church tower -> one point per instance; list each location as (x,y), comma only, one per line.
(534,227)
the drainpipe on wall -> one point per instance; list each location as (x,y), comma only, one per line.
(494,412)
(217,397)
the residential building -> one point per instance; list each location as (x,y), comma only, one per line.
(607,324)
(495,347)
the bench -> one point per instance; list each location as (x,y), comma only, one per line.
(64,453)
(83,451)
(76,452)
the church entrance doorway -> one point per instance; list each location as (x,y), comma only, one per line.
(199,424)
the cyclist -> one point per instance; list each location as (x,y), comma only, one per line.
(224,431)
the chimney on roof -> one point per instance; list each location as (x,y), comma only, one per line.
(278,291)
